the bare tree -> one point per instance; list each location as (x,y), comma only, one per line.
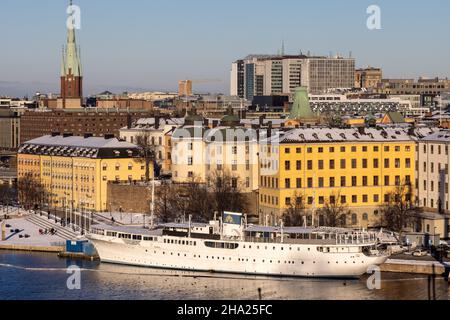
(295,213)
(167,202)
(32,194)
(334,211)
(399,210)
(226,191)
(143,140)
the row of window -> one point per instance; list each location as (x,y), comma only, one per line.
(299,201)
(273,183)
(345,149)
(343,164)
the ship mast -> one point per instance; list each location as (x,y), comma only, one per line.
(152,207)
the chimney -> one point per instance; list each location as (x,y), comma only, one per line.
(88,135)
(129,121)
(67,135)
(109,136)
(56,134)
(269,131)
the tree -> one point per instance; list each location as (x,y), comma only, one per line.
(32,194)
(148,150)
(399,210)
(166,203)
(295,213)
(334,212)
(226,192)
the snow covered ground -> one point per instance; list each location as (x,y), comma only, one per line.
(30,229)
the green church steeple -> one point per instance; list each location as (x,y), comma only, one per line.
(301,108)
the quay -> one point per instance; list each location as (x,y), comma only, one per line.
(31,248)
(414,266)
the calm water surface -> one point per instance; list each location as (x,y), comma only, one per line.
(31,276)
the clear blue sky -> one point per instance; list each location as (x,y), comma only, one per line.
(153,44)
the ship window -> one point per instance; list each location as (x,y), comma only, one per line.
(135,237)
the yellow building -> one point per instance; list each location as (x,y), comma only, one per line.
(76,170)
(357,167)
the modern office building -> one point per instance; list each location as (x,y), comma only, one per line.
(75,171)
(357,168)
(320,74)
(265,75)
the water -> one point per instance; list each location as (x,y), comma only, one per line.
(36,276)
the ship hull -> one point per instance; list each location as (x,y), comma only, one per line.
(276,260)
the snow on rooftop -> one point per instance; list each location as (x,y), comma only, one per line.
(80,142)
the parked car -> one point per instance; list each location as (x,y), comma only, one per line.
(420,253)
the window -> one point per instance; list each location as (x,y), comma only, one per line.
(310,183)
(332,182)
(288,201)
(408,163)
(332,164)
(354,199)
(376,198)
(321,150)
(354,181)
(386,163)
(299,183)
(365,198)
(365,181)
(321,182)
(386,181)
(287,165)
(321,166)
(299,165)
(397,163)
(343,149)
(310,165)
(354,163)
(343,181)
(343,199)
(376,181)
(287,150)
(343,164)
(299,150)
(288,183)
(376,163)
(190,161)
(354,149)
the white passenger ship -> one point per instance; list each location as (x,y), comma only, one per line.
(241,249)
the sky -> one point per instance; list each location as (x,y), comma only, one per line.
(139,45)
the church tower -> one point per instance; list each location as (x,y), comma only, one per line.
(71,73)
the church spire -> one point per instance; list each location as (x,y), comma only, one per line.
(71,70)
